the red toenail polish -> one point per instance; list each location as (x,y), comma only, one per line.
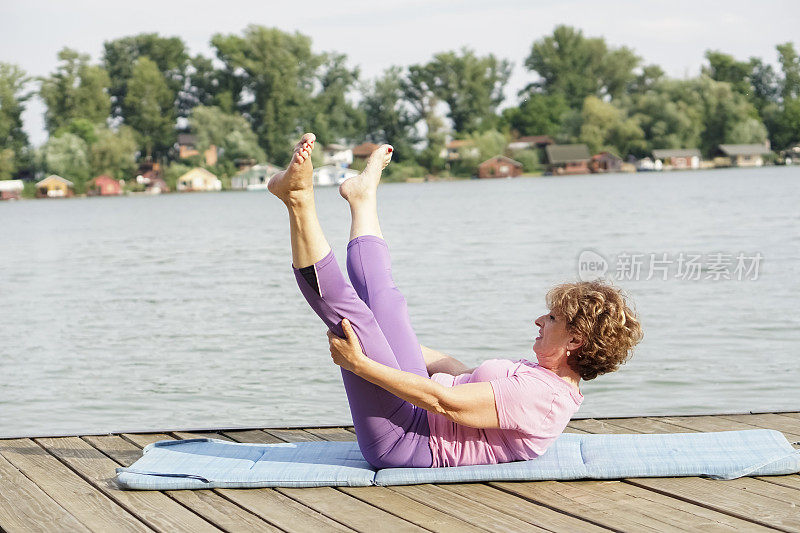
(390,149)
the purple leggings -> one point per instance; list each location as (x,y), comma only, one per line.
(391,432)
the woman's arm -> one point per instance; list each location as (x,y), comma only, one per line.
(470,404)
(437,362)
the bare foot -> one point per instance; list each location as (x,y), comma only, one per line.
(297,181)
(365,185)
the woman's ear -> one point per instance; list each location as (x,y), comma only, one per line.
(574,343)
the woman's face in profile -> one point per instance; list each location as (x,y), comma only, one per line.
(553,336)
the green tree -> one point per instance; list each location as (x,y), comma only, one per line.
(334,118)
(114,152)
(748,131)
(7,163)
(724,67)
(203,86)
(537,114)
(724,112)
(785,122)
(150,110)
(646,79)
(574,66)
(670,115)
(764,83)
(389,118)
(169,55)
(76,90)
(67,156)
(13,95)
(271,74)
(231,133)
(790,64)
(418,94)
(471,86)
(606,127)
(81,127)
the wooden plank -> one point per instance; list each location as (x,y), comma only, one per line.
(472,511)
(143,439)
(780,423)
(292,435)
(410,510)
(203,435)
(337,434)
(714,423)
(282,511)
(591,425)
(24,507)
(154,508)
(614,504)
(347,510)
(525,510)
(82,500)
(744,498)
(206,503)
(252,436)
(791,415)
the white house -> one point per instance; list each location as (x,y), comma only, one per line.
(332,175)
(11,189)
(254,178)
(199,179)
(337,155)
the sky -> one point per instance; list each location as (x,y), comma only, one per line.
(673,34)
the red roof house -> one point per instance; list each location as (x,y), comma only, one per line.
(104,185)
(499,167)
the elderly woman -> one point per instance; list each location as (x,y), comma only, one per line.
(415,407)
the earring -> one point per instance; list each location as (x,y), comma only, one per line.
(568,353)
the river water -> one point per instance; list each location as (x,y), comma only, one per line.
(181,310)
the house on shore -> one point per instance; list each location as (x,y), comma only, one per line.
(791,156)
(741,155)
(199,179)
(605,162)
(152,181)
(567,159)
(678,158)
(337,155)
(11,189)
(150,177)
(499,166)
(454,150)
(332,175)
(187,147)
(530,142)
(254,178)
(103,185)
(54,186)
(363,151)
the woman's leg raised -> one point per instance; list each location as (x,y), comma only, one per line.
(379,417)
(369,265)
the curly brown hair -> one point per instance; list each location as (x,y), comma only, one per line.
(599,313)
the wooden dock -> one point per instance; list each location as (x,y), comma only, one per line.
(67,484)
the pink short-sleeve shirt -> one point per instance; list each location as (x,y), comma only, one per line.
(533,404)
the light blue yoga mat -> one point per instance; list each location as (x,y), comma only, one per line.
(211,463)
